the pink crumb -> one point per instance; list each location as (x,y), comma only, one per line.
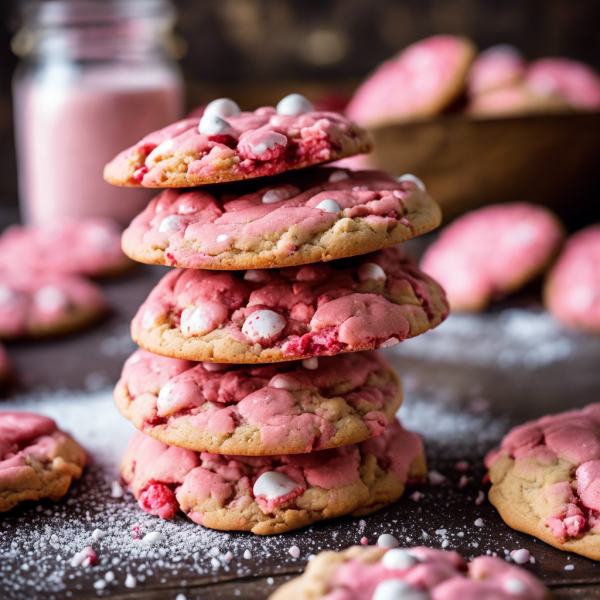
(462,466)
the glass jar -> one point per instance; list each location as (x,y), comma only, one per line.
(95,78)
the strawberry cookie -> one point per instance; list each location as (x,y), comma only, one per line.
(575,82)
(572,290)
(226,144)
(322,215)
(272,315)
(491,252)
(375,573)
(284,408)
(37,460)
(420,82)
(545,480)
(273,494)
(41,304)
(497,67)
(89,247)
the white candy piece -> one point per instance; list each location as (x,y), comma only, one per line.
(263,325)
(396,589)
(329,205)
(311,363)
(164,148)
(387,540)
(154,537)
(390,342)
(514,586)
(197,320)
(170,223)
(414,179)
(213,125)
(399,559)
(98,534)
(51,299)
(273,484)
(268,142)
(371,272)
(222,107)
(338,176)
(253,275)
(275,195)
(294,104)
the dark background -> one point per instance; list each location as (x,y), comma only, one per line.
(262,44)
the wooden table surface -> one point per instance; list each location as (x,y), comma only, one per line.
(441,385)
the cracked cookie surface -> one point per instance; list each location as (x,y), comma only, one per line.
(271,315)
(274,494)
(229,145)
(284,408)
(314,216)
(37,460)
(413,573)
(545,480)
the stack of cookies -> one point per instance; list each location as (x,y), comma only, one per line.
(261,400)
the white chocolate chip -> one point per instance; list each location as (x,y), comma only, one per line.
(294,551)
(198,320)
(514,586)
(399,559)
(222,238)
(51,299)
(275,195)
(263,325)
(154,537)
(213,125)
(311,363)
(329,205)
(165,400)
(396,589)
(389,342)
(170,223)
(294,104)
(159,152)
(273,484)
(283,382)
(130,581)
(222,107)
(116,490)
(371,271)
(413,179)
(210,366)
(338,176)
(98,534)
(387,540)
(268,142)
(253,275)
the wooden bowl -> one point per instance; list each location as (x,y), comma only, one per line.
(467,162)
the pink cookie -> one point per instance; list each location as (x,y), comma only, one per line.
(36,459)
(313,216)
(514,100)
(272,315)
(576,82)
(229,145)
(497,67)
(491,252)
(546,480)
(6,368)
(42,304)
(421,81)
(274,494)
(572,289)
(410,574)
(284,408)
(75,247)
